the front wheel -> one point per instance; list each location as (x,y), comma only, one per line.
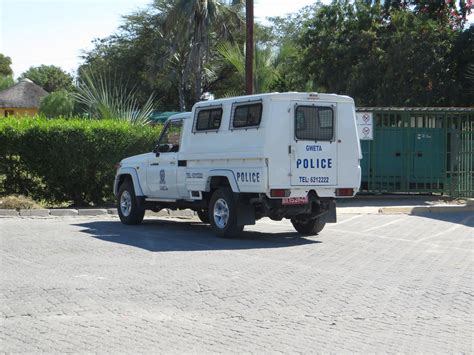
(223,213)
(308,226)
(127,206)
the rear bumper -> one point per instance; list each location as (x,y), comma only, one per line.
(323,208)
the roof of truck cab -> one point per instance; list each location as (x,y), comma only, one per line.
(183,115)
(279,96)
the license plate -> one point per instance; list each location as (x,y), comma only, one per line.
(295,200)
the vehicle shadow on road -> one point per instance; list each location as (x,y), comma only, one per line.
(164,235)
(463,218)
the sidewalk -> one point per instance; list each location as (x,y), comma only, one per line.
(364,204)
(402,204)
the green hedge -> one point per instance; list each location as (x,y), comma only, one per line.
(67,160)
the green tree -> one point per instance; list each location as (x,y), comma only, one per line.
(6,72)
(199,21)
(128,56)
(6,82)
(451,12)
(290,71)
(264,66)
(57,104)
(5,65)
(462,56)
(409,58)
(151,53)
(49,77)
(340,49)
(417,60)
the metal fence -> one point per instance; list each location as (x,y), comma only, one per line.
(420,150)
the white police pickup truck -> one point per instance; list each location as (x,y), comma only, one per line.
(236,160)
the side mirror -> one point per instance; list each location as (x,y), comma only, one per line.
(164,148)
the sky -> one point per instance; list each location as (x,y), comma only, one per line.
(56,32)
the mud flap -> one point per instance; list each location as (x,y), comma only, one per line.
(141,203)
(330,215)
(246,215)
(245,212)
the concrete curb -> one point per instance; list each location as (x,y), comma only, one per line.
(358,210)
(92,212)
(34,213)
(63,212)
(415,210)
(9,213)
(188,214)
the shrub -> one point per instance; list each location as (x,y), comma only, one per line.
(58,103)
(16,202)
(65,160)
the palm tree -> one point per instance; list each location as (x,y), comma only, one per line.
(105,97)
(264,62)
(197,20)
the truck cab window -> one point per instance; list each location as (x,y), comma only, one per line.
(171,136)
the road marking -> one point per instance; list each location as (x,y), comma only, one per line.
(383,225)
(362,234)
(350,219)
(450,230)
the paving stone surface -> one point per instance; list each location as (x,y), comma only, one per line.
(370,283)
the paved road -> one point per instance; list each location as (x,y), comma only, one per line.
(370,283)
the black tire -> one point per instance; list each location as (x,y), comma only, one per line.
(307,226)
(203,215)
(223,213)
(127,206)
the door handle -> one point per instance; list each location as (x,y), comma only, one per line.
(172,163)
(154,164)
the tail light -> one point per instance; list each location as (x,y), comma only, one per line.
(118,166)
(345,192)
(279,193)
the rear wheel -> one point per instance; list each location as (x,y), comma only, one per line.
(127,206)
(203,215)
(308,226)
(223,213)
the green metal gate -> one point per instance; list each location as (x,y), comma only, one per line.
(420,150)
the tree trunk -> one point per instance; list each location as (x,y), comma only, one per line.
(181,87)
(198,74)
(249,47)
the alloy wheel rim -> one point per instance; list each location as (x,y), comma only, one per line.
(126,203)
(221,213)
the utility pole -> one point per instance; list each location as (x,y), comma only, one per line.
(249,18)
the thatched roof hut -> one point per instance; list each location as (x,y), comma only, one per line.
(22,98)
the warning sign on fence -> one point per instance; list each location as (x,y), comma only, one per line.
(365,125)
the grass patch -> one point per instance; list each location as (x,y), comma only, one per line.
(17,202)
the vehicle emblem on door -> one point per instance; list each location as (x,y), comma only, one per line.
(162,176)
